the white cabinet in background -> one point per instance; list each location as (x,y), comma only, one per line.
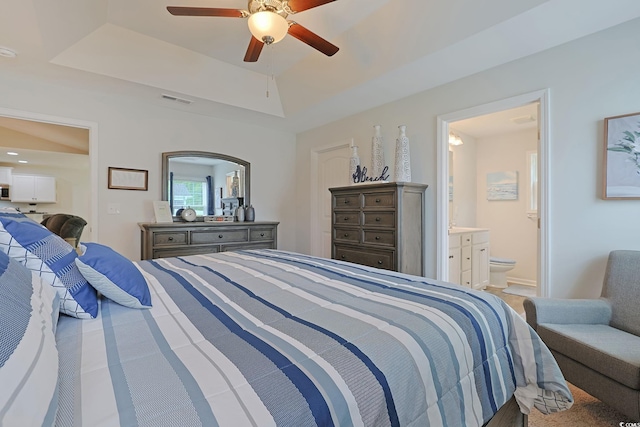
(33,189)
(469,257)
(5,176)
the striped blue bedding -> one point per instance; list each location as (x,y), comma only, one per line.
(266,337)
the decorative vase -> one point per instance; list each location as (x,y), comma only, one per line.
(240,213)
(250,214)
(377,152)
(354,162)
(403,158)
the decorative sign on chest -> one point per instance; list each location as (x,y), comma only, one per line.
(360,175)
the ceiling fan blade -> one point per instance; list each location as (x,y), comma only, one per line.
(253,51)
(300,5)
(312,39)
(205,11)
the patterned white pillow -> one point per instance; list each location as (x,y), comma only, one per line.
(52,258)
(28,352)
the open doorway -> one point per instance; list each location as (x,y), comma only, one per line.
(450,213)
(61,148)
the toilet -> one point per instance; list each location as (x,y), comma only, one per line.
(498,268)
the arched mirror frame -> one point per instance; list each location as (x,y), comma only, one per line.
(176,154)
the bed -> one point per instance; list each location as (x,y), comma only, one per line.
(267,337)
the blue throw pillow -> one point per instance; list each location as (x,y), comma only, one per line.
(52,258)
(114,276)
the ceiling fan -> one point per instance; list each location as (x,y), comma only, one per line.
(267,23)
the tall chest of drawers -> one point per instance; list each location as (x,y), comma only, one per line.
(379,225)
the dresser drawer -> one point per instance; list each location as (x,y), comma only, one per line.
(347,234)
(184,251)
(346,218)
(261,234)
(380,237)
(373,258)
(380,200)
(170,238)
(219,236)
(380,219)
(346,201)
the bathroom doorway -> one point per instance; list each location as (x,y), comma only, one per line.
(501,143)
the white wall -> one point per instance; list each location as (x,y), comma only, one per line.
(589,79)
(463,209)
(513,235)
(133,133)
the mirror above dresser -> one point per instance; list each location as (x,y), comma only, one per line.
(209,183)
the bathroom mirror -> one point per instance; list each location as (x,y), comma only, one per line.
(209,183)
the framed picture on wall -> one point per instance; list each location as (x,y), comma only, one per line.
(622,157)
(128,179)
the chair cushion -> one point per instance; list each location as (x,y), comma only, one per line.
(610,351)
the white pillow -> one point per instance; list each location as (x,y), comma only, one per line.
(28,352)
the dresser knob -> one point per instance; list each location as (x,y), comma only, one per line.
(377,200)
(450,256)
(378,219)
(261,234)
(379,262)
(343,257)
(346,234)
(346,201)
(219,236)
(170,239)
(377,237)
(346,218)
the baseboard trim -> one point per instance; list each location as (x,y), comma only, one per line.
(521,281)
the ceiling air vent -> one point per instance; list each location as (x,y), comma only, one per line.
(176,99)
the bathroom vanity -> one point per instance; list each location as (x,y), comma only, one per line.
(469,257)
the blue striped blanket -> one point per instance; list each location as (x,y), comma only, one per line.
(266,337)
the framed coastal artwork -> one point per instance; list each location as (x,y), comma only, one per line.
(622,157)
(502,185)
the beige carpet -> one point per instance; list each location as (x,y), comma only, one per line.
(587,411)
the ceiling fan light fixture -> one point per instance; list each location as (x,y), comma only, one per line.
(269,27)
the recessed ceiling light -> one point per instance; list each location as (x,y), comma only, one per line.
(7,53)
(22,161)
(12,153)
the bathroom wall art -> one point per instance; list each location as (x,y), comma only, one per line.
(502,185)
(622,157)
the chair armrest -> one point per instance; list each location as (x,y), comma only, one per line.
(564,311)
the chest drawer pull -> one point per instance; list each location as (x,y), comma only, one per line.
(170,239)
(380,262)
(378,219)
(343,257)
(450,256)
(346,234)
(220,236)
(377,200)
(377,237)
(261,234)
(346,218)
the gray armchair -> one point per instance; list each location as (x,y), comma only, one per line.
(67,226)
(597,342)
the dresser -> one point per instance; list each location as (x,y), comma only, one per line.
(469,257)
(379,225)
(161,240)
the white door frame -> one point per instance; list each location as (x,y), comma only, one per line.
(315,244)
(93,152)
(442,196)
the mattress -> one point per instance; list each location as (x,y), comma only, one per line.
(267,337)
